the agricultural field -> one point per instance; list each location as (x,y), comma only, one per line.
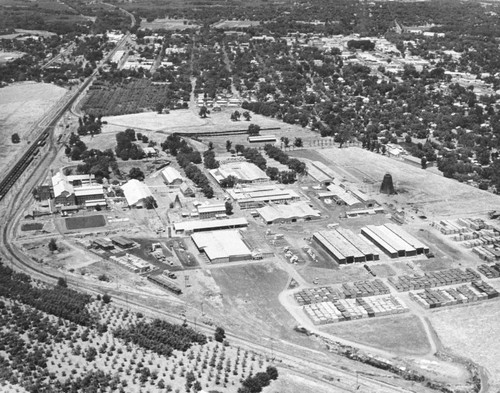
(85,222)
(400,334)
(22,105)
(35,226)
(81,342)
(169,24)
(133,97)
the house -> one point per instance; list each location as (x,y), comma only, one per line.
(186,190)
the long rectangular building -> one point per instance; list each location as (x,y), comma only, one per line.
(342,196)
(254,197)
(344,246)
(411,240)
(369,251)
(388,241)
(379,241)
(209,225)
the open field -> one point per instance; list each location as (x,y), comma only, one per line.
(169,24)
(9,56)
(20,32)
(21,106)
(472,332)
(35,226)
(434,194)
(85,222)
(234,24)
(402,334)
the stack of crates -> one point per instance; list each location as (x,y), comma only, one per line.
(490,271)
(433,279)
(433,298)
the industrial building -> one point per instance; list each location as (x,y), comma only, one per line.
(294,212)
(122,242)
(222,246)
(103,244)
(344,246)
(244,172)
(420,247)
(211,211)
(209,225)
(75,190)
(252,197)
(262,139)
(342,197)
(171,176)
(136,193)
(393,240)
(321,173)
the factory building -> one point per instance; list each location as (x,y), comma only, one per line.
(244,172)
(211,211)
(391,243)
(294,212)
(122,242)
(342,197)
(209,225)
(222,246)
(344,246)
(253,197)
(420,247)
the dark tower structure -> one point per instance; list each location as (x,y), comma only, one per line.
(387,187)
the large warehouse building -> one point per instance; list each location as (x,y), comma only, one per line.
(394,241)
(222,246)
(294,212)
(136,193)
(252,197)
(244,172)
(209,225)
(345,247)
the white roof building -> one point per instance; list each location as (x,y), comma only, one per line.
(298,211)
(136,192)
(172,175)
(210,225)
(222,246)
(244,171)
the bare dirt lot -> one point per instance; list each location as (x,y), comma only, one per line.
(21,106)
(169,24)
(400,334)
(472,331)
(434,194)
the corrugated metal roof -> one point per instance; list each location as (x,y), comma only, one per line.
(294,210)
(170,174)
(394,240)
(348,198)
(357,242)
(406,236)
(369,231)
(241,170)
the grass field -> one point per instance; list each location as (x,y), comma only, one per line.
(400,334)
(35,226)
(85,222)
(473,332)
(233,24)
(169,24)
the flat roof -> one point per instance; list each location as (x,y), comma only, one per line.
(347,197)
(411,240)
(210,224)
(221,244)
(211,208)
(257,138)
(294,210)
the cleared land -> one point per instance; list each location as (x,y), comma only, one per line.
(473,332)
(404,335)
(234,24)
(169,24)
(435,194)
(85,222)
(21,106)
(8,56)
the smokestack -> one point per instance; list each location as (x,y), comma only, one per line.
(387,187)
